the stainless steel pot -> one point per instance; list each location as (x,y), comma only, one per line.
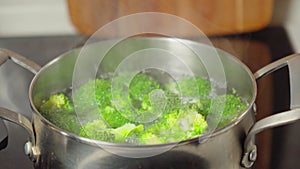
(231,146)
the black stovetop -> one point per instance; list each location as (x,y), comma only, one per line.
(280,150)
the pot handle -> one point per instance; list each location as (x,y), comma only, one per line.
(293,62)
(22,121)
(18,59)
(3,135)
(18,118)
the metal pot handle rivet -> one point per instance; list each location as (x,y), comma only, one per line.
(253,155)
(31,151)
(293,62)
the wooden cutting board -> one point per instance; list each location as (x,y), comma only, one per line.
(213,17)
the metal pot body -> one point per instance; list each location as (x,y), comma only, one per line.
(220,151)
(223,148)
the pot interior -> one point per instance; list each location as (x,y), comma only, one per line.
(100,59)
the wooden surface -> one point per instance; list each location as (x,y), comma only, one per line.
(213,17)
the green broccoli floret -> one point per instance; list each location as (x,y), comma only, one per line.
(182,93)
(122,133)
(93,100)
(184,116)
(137,97)
(57,103)
(93,94)
(173,101)
(59,110)
(113,117)
(201,106)
(189,124)
(180,124)
(150,138)
(188,86)
(97,130)
(230,106)
(139,89)
(101,106)
(192,122)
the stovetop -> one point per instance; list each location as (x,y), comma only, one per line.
(278,148)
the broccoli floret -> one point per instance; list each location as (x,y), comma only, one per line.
(187,86)
(189,124)
(139,89)
(173,101)
(122,133)
(150,138)
(230,106)
(59,110)
(93,94)
(97,130)
(57,103)
(180,124)
(184,116)
(93,100)
(201,106)
(192,122)
(182,94)
(138,98)
(113,117)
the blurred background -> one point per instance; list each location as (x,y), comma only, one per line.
(44,17)
(256,31)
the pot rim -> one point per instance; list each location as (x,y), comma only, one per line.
(98,142)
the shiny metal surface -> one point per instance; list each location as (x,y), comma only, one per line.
(274,66)
(12,116)
(60,149)
(19,119)
(293,62)
(14,86)
(20,60)
(3,57)
(278,119)
(14,82)
(266,123)
(294,71)
(9,115)
(22,121)
(65,150)
(220,151)
(3,135)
